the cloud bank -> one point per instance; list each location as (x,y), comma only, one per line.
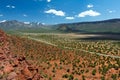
(25,15)
(89,13)
(55,12)
(48,0)
(70,18)
(90,6)
(10,6)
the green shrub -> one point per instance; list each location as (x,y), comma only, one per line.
(50,78)
(94,72)
(83,77)
(114,76)
(76,79)
(65,76)
(68,70)
(71,77)
(102,78)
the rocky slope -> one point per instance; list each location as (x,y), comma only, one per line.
(14,67)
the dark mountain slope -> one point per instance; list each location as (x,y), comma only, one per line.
(106,26)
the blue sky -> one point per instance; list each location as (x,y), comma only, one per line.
(59,11)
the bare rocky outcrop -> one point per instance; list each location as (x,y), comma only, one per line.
(15,67)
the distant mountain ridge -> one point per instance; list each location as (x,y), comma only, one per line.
(111,25)
(105,26)
(16,25)
(101,21)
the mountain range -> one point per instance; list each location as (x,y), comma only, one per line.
(105,26)
(16,25)
(112,25)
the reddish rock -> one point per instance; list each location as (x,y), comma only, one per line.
(8,68)
(21,58)
(1,72)
(11,76)
(2,57)
(37,77)
(15,63)
(26,72)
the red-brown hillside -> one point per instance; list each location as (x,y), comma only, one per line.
(14,66)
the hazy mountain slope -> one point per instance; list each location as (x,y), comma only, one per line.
(112,25)
(16,25)
(31,27)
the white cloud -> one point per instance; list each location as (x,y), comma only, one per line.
(10,6)
(25,15)
(26,22)
(90,6)
(2,21)
(1,15)
(111,11)
(48,0)
(55,12)
(89,13)
(70,18)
